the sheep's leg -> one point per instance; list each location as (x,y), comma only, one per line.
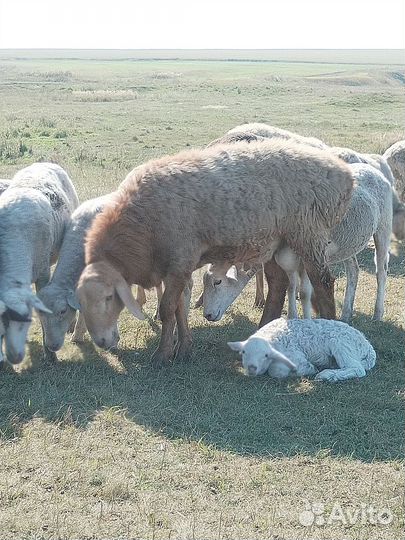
(259,298)
(352,278)
(43,279)
(199,302)
(140,295)
(322,282)
(80,329)
(183,333)
(174,286)
(382,243)
(292,312)
(159,294)
(350,367)
(306,292)
(277,281)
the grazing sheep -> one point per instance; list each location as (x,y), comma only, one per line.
(60,293)
(395,156)
(270,132)
(178,213)
(34,212)
(333,351)
(369,214)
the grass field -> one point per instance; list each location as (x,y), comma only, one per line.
(100,445)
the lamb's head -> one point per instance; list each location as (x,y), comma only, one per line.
(103,293)
(221,287)
(63,304)
(19,302)
(257,355)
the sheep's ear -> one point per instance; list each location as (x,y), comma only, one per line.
(37,304)
(279,357)
(73,301)
(236,345)
(125,293)
(232,273)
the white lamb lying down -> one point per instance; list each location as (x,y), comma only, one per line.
(331,350)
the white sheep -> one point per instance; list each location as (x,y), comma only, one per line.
(395,156)
(34,212)
(269,132)
(59,295)
(369,214)
(329,350)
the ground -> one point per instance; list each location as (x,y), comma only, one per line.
(101,445)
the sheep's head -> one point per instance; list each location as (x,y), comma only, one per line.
(19,302)
(103,293)
(257,355)
(398,222)
(221,287)
(63,304)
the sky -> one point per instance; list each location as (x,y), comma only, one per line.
(185,24)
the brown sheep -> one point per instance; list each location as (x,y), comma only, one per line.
(224,205)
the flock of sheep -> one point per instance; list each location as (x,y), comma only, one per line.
(259,199)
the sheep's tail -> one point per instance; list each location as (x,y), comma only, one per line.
(369,357)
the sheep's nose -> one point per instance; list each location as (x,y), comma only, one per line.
(252,370)
(208,316)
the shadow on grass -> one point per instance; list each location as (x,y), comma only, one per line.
(209,399)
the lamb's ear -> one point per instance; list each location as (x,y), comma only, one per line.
(73,301)
(37,304)
(232,273)
(236,345)
(279,357)
(125,293)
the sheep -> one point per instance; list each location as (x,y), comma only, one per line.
(395,156)
(269,132)
(34,211)
(59,295)
(369,214)
(331,351)
(178,213)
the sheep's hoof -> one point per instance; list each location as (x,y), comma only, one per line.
(160,359)
(183,350)
(49,356)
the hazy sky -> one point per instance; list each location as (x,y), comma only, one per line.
(133,24)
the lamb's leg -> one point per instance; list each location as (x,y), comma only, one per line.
(43,279)
(174,286)
(183,333)
(350,366)
(352,278)
(277,281)
(140,295)
(382,243)
(80,329)
(259,298)
(159,294)
(306,292)
(322,282)
(292,312)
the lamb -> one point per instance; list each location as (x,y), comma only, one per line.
(59,295)
(176,214)
(395,156)
(369,214)
(331,351)
(34,211)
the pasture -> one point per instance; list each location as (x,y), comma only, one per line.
(100,445)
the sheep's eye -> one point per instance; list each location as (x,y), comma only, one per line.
(217,282)
(266,355)
(109,297)
(63,311)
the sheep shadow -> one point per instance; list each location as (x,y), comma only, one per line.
(209,399)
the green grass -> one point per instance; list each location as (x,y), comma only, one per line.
(100,445)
